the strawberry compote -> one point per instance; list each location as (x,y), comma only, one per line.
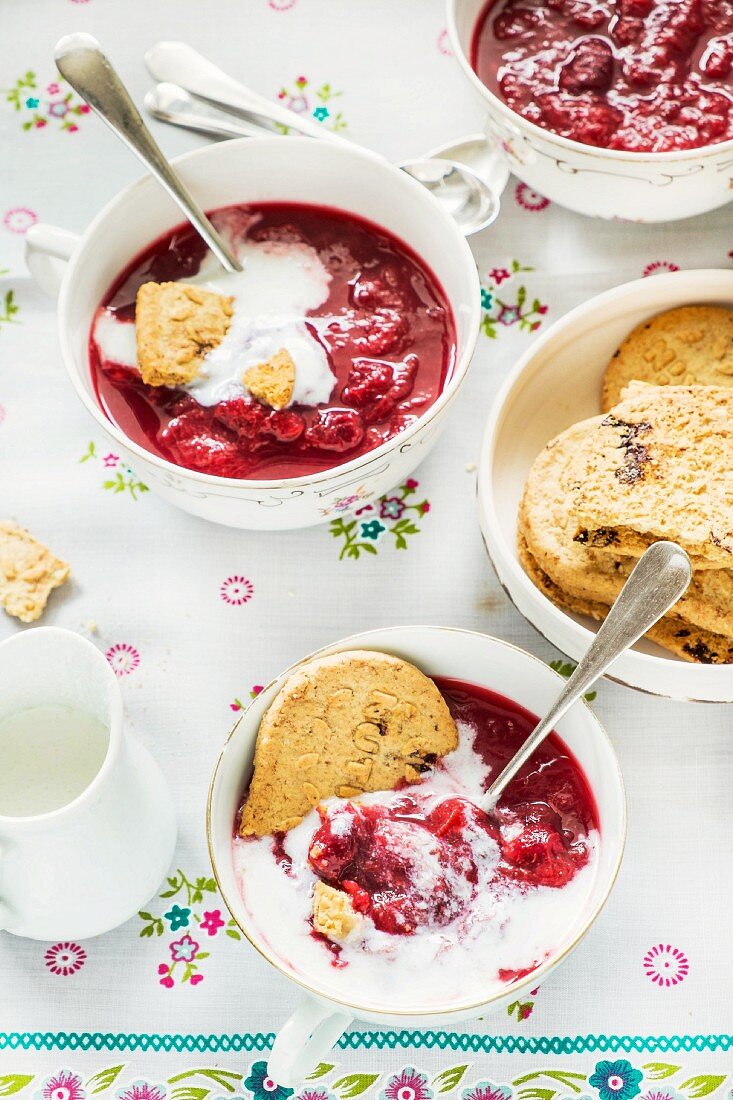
(644,76)
(452,904)
(370,328)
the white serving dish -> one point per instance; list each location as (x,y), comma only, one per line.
(439,651)
(80,270)
(605,183)
(556,383)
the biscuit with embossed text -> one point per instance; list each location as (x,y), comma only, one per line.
(342,725)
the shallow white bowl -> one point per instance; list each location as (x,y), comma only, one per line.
(438,651)
(556,383)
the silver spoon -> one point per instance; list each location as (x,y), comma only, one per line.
(467,197)
(83,65)
(171,103)
(659,578)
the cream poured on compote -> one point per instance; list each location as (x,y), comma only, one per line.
(452,904)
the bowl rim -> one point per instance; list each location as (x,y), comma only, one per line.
(507,568)
(463,1010)
(345,469)
(620,156)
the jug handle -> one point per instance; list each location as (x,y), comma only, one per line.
(299,1045)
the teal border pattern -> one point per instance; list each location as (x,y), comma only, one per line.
(366,1040)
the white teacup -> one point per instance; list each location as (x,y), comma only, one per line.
(81,270)
(606,183)
(440,651)
(103,854)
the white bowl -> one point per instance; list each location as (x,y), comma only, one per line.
(260,170)
(556,383)
(605,183)
(438,651)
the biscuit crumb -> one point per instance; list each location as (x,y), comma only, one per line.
(273,381)
(28,573)
(333,914)
(176,325)
(470,467)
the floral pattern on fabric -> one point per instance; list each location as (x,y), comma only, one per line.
(19,219)
(391,518)
(40,105)
(263,1087)
(529,199)
(666,965)
(236,590)
(408,1084)
(616,1080)
(9,308)
(123,658)
(187,915)
(513,306)
(125,479)
(659,267)
(237,704)
(64,1085)
(316,103)
(65,958)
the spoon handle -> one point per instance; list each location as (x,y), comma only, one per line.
(178,63)
(82,63)
(658,580)
(190,119)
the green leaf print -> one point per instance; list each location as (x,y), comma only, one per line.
(222,1077)
(449,1078)
(354,1084)
(14,1082)
(702,1085)
(572,1081)
(657,1071)
(104,1079)
(321,1070)
(189,1092)
(537,1094)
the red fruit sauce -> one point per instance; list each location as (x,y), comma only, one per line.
(540,824)
(391,347)
(645,76)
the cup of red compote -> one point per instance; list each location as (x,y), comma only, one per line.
(349,266)
(614,108)
(462,912)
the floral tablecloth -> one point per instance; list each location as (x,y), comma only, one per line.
(173,1004)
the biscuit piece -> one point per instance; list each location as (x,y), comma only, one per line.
(28,573)
(689,346)
(176,324)
(342,725)
(679,637)
(273,381)
(545,521)
(333,914)
(659,466)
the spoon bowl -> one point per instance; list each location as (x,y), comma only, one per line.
(460,191)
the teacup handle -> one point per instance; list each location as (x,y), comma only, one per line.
(47,250)
(301,1042)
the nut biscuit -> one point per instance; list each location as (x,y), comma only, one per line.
(342,725)
(659,466)
(176,324)
(273,381)
(687,641)
(545,520)
(692,345)
(334,915)
(28,573)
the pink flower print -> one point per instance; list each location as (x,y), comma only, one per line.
(499,275)
(110,459)
(53,89)
(83,108)
(141,1090)
(411,483)
(322,1093)
(124,658)
(529,199)
(508,315)
(212,921)
(663,1093)
(166,980)
(443,44)
(391,507)
(666,965)
(63,1085)
(65,958)
(196,978)
(184,950)
(282,5)
(3,414)
(19,219)
(485,1090)
(408,1084)
(40,123)
(236,590)
(659,267)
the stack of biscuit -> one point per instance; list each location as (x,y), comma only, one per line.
(658,464)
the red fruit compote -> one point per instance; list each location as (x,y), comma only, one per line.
(644,76)
(366,324)
(455,904)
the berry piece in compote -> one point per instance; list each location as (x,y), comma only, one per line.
(352,312)
(646,76)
